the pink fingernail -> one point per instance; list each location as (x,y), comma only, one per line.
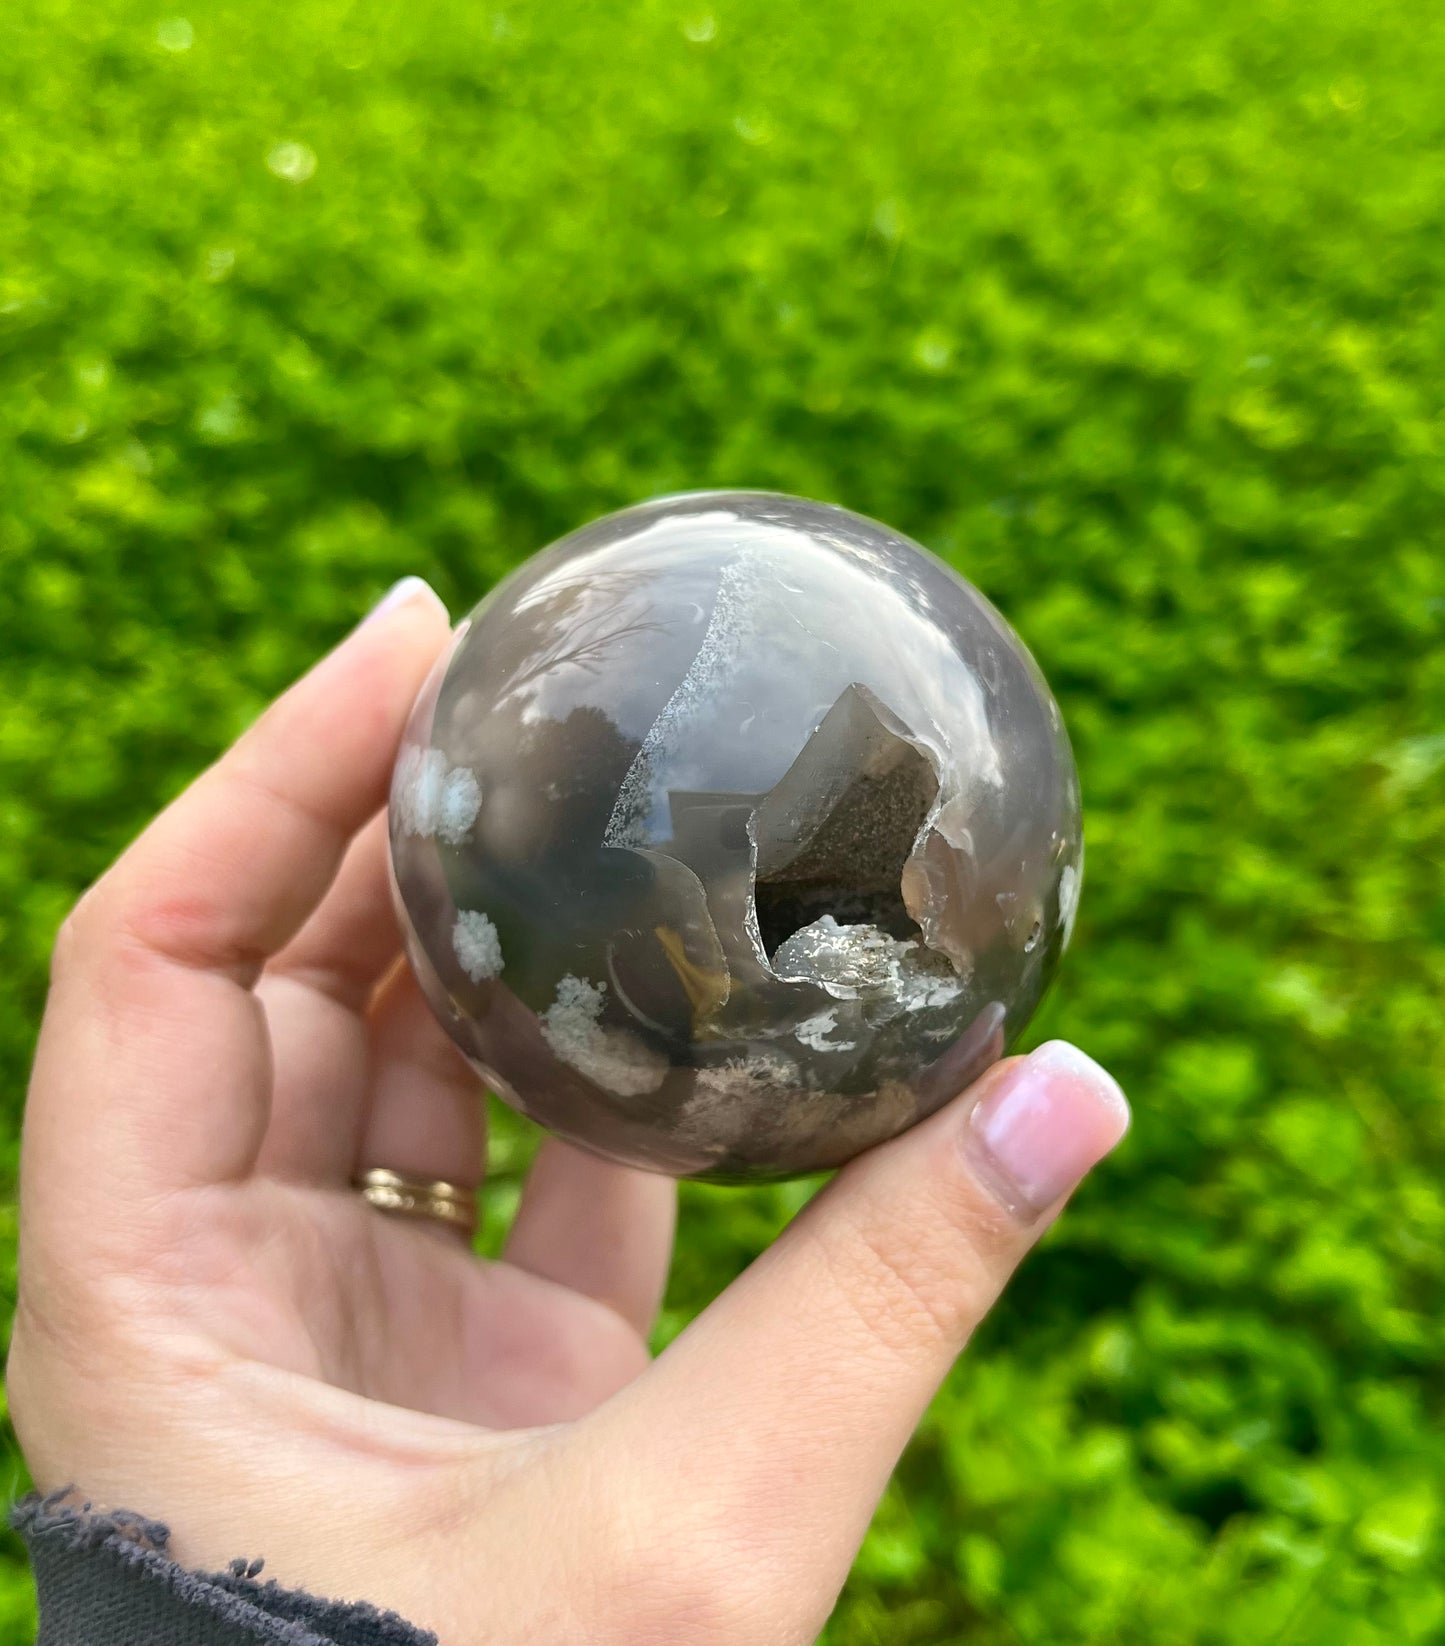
(1042,1125)
(409,588)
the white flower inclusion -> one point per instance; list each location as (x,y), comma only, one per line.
(618,1061)
(477,946)
(435,799)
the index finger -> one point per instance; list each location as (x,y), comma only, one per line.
(153,1071)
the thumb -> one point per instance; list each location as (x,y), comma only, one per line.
(786,1404)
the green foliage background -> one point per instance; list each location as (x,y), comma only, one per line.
(1137,315)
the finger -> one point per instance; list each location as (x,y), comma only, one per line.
(315,993)
(598,1228)
(797,1389)
(153,1071)
(352,940)
(426,1116)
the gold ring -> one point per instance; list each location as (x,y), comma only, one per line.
(416,1197)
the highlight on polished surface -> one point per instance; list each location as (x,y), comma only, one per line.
(733,834)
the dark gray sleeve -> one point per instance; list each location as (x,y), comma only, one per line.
(106,1580)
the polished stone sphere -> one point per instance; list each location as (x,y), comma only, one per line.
(734,834)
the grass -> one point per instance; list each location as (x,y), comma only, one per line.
(1137,315)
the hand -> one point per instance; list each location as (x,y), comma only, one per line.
(215,1329)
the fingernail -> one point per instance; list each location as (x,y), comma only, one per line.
(409,588)
(1042,1124)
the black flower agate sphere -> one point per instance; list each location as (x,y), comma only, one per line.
(734,834)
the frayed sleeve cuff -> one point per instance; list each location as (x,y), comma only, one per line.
(106,1579)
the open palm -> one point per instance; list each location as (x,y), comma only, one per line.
(215,1327)
(251,1040)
